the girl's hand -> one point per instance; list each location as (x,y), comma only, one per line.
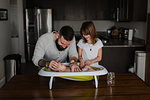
(75,68)
(88,62)
(82,63)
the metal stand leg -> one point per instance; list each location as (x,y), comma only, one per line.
(51,82)
(96,81)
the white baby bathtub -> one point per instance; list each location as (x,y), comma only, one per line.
(104,71)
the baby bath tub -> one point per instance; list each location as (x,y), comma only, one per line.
(77,76)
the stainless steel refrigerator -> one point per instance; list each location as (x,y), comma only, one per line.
(37,22)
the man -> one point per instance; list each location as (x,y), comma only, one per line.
(53,47)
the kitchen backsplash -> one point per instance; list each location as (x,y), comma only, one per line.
(140,28)
(102,26)
(99,25)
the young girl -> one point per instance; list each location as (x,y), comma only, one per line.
(89,47)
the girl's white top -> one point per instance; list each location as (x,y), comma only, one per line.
(90,51)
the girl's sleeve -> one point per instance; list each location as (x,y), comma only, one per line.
(100,44)
(80,44)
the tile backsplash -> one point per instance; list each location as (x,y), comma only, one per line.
(102,26)
(99,25)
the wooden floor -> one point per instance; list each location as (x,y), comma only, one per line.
(29,68)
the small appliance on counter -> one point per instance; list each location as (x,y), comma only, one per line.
(120,33)
(113,32)
(123,33)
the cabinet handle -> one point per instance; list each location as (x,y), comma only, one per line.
(117,15)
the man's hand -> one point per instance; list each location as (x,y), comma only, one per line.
(54,65)
(75,68)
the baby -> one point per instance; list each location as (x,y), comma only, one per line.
(63,68)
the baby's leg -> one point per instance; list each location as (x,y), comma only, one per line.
(89,68)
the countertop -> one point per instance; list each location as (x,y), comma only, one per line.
(126,86)
(136,42)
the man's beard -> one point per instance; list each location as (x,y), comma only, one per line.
(60,48)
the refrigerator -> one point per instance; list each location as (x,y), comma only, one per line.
(37,22)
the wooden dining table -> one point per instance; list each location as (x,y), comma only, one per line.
(126,86)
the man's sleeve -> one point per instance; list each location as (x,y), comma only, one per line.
(38,52)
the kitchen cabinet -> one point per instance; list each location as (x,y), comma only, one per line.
(118,54)
(29,3)
(129,10)
(58,8)
(118,59)
(122,10)
(139,10)
(41,3)
(104,9)
(62,9)
(91,12)
(119,10)
(56,5)
(85,10)
(98,9)
(74,9)
(67,9)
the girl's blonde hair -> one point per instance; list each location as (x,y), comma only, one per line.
(88,28)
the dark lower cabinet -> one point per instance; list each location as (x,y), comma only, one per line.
(119,59)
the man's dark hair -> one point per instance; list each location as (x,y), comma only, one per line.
(67,32)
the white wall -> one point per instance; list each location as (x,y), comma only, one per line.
(16,27)
(20,29)
(4,40)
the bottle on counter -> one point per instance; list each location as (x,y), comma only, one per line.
(130,34)
(126,34)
